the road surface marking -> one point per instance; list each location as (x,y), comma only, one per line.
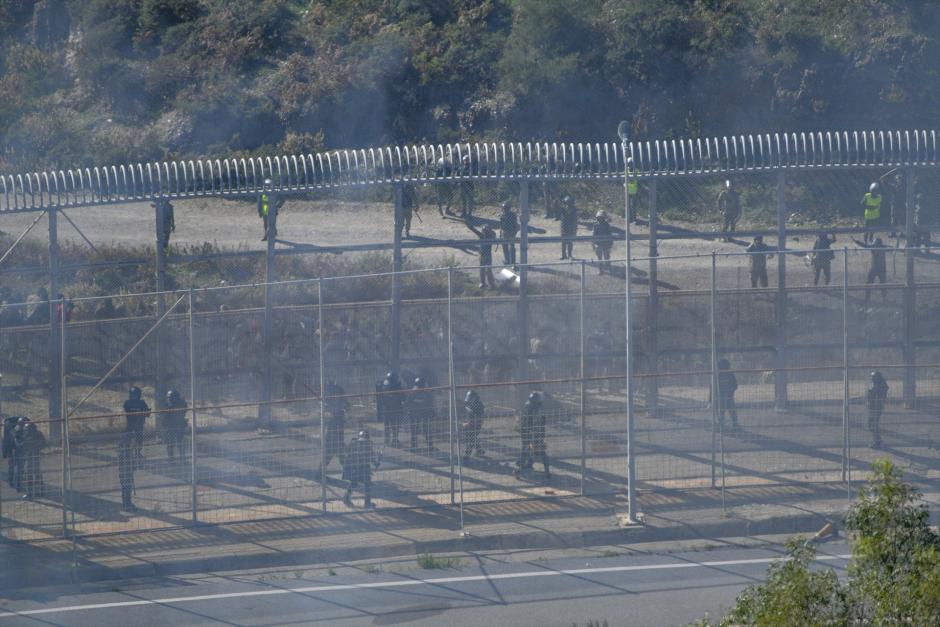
(404,582)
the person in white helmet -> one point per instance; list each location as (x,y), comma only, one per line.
(871,205)
(268,202)
(729,205)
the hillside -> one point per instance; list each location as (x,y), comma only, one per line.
(92,81)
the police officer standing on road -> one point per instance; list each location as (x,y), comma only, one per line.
(729,205)
(29,447)
(337,404)
(879,264)
(876,396)
(532,428)
(174,425)
(19,453)
(9,448)
(127,463)
(472,425)
(727,386)
(358,463)
(758,257)
(871,206)
(409,206)
(420,408)
(508,228)
(388,402)
(269,203)
(602,241)
(569,227)
(137,411)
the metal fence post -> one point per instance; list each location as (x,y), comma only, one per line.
(322,362)
(264,411)
(713,394)
(160,282)
(522,312)
(910,295)
(395,352)
(452,383)
(192,400)
(652,386)
(846,424)
(583,390)
(780,365)
(55,344)
(631,461)
(845,366)
(64,425)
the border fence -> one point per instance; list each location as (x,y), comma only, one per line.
(249,452)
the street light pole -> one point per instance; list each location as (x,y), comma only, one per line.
(623,131)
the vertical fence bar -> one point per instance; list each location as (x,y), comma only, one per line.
(846,415)
(522,311)
(452,383)
(716,398)
(910,296)
(780,372)
(395,351)
(631,461)
(583,389)
(64,422)
(652,388)
(192,400)
(845,365)
(264,410)
(159,387)
(322,363)
(55,345)
(713,342)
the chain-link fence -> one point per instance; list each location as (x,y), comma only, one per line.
(255,401)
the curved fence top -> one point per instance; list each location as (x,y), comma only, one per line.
(334,169)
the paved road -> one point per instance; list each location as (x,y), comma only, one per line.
(624,589)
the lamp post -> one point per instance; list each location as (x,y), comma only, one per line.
(623,130)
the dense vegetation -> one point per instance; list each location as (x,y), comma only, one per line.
(86,81)
(893,576)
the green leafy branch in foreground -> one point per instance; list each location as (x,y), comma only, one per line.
(894,572)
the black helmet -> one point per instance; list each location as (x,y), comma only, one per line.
(419,382)
(759,238)
(566,200)
(364,433)
(723,364)
(535,397)
(134,392)
(23,420)
(471,395)
(391,376)
(172,395)
(876,375)
(506,206)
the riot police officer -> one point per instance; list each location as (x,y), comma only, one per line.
(729,205)
(602,240)
(174,425)
(9,448)
(474,411)
(136,411)
(337,405)
(19,453)
(876,396)
(29,447)
(569,227)
(532,427)
(388,402)
(822,257)
(420,409)
(508,228)
(358,462)
(727,385)
(127,463)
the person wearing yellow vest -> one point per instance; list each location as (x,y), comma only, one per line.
(871,205)
(632,189)
(268,201)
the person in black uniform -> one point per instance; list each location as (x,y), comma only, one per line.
(169,221)
(487,237)
(876,396)
(602,241)
(388,402)
(30,447)
(174,425)
(137,411)
(336,405)
(508,228)
(569,227)
(532,428)
(127,463)
(879,264)
(19,453)
(474,411)
(359,461)
(822,257)
(409,206)
(466,189)
(420,409)
(727,385)
(9,448)
(758,261)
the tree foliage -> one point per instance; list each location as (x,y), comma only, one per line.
(894,573)
(198,76)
